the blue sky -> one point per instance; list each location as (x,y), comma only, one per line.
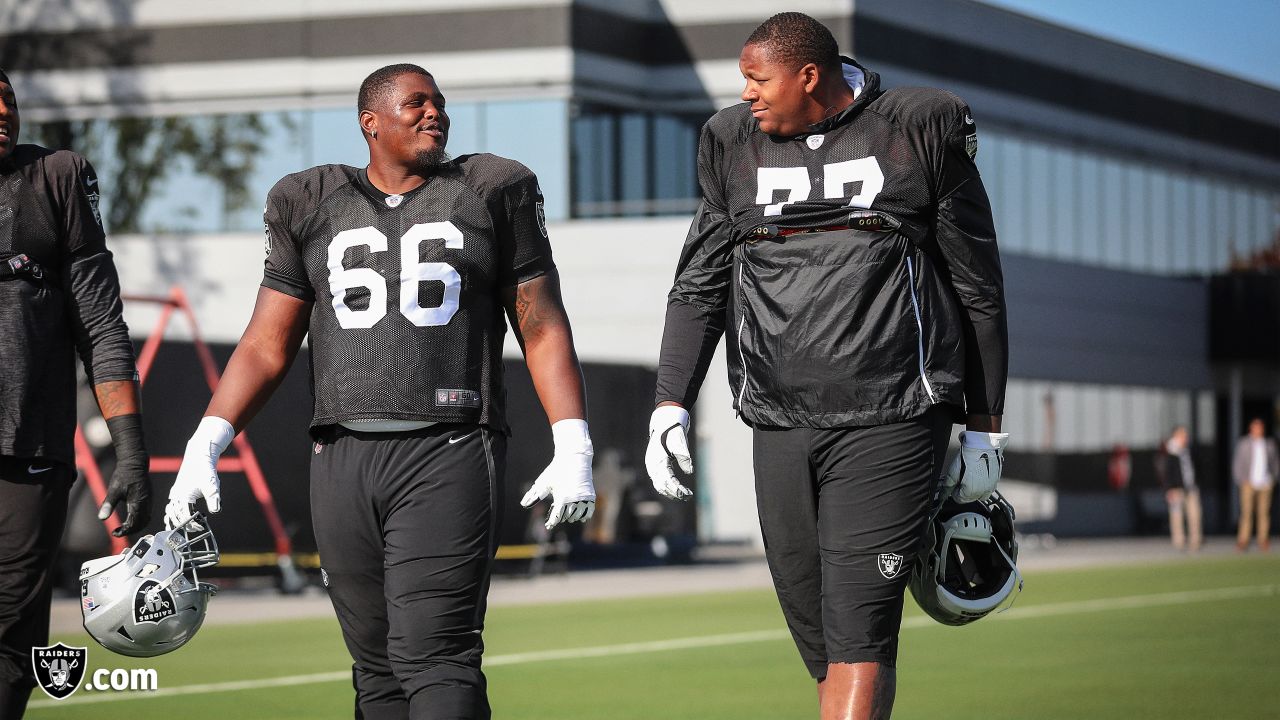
(1238,37)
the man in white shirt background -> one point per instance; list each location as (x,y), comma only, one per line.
(1255,466)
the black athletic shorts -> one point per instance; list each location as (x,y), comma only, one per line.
(407,525)
(33,510)
(842,511)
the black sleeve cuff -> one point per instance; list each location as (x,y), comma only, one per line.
(274,282)
(688,343)
(533,270)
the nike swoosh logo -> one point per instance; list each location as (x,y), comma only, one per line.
(460,438)
(33,470)
(968,120)
(91,183)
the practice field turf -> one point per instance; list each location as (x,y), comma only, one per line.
(1189,639)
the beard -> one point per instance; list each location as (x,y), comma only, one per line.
(431,160)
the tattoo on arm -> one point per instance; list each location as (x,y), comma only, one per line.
(541,325)
(117,397)
(535,309)
(532,311)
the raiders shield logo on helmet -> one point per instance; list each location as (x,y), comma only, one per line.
(890,564)
(152,603)
(59,668)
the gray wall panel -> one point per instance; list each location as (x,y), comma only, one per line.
(1084,324)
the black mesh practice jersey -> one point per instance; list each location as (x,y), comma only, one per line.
(407,323)
(65,301)
(854,267)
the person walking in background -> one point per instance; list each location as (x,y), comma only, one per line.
(1254,468)
(1177,474)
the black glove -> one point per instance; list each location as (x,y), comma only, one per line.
(130,481)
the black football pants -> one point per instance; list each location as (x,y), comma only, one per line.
(407,526)
(33,510)
(842,511)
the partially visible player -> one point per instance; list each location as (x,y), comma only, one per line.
(59,296)
(401,271)
(846,242)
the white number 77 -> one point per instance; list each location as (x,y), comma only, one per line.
(835,176)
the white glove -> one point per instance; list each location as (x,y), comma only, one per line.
(198,476)
(976,469)
(568,478)
(667,442)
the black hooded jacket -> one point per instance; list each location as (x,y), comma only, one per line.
(853,269)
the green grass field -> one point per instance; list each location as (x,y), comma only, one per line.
(1191,639)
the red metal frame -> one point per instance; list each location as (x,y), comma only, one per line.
(246,462)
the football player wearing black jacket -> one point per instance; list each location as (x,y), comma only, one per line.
(845,248)
(400,273)
(59,297)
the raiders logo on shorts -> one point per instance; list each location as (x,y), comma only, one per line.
(890,565)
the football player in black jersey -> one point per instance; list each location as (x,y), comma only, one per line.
(400,273)
(846,242)
(61,296)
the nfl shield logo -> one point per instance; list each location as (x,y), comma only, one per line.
(59,669)
(890,564)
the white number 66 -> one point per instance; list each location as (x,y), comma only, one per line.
(412,273)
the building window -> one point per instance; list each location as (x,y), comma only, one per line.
(630,163)
(1071,203)
(212,173)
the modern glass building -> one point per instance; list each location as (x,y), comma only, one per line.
(1123,183)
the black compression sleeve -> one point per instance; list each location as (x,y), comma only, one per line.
(126,437)
(688,343)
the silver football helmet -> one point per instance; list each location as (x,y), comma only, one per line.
(968,561)
(149,600)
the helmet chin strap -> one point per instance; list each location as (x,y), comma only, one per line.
(999,500)
(1017,575)
(164,584)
